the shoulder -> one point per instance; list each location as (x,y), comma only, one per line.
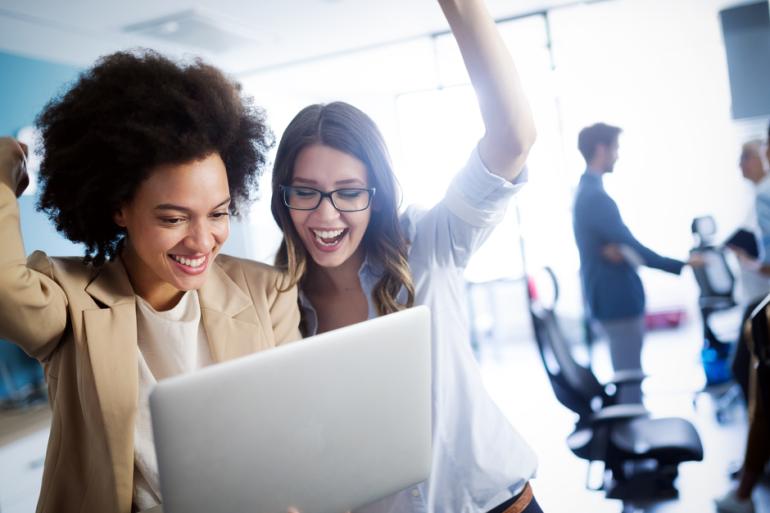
(256,274)
(409,220)
(589,193)
(763,190)
(71,269)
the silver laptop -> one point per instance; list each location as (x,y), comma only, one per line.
(325,425)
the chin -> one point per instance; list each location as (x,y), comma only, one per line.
(190,284)
(329,260)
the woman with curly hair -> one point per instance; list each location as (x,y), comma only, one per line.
(144,161)
(335,199)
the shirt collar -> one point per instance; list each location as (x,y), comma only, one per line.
(593,177)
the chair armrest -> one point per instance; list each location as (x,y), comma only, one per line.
(626,376)
(619,412)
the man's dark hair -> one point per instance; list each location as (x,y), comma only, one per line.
(592,136)
(131,112)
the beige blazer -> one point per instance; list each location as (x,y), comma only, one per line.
(80,322)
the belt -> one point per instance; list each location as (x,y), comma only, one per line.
(516,504)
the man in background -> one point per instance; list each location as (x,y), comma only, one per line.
(754,270)
(754,167)
(609,255)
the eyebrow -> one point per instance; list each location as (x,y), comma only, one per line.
(349,181)
(170,206)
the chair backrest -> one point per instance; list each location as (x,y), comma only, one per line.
(715,279)
(575,386)
(703,229)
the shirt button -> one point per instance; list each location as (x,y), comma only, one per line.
(415,492)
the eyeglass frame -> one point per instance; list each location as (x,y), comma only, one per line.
(370,190)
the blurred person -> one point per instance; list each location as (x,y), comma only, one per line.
(754,167)
(144,160)
(609,255)
(336,199)
(755,273)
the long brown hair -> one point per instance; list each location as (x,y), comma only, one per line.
(346,128)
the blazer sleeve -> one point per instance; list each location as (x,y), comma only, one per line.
(33,307)
(284,311)
(604,218)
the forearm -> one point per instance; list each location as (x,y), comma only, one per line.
(10,233)
(510,128)
(32,306)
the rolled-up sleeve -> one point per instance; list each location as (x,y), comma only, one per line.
(449,233)
(479,197)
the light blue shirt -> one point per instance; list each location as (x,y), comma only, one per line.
(479,460)
(763,217)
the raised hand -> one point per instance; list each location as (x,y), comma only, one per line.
(13,168)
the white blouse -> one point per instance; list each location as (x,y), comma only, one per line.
(170,343)
(479,459)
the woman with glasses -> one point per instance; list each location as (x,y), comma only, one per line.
(354,258)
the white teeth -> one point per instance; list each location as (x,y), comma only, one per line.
(194,262)
(328,234)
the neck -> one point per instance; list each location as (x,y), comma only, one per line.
(595,169)
(335,280)
(160,295)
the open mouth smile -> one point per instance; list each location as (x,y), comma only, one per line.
(329,238)
(190,265)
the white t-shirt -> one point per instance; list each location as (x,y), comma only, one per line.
(169,343)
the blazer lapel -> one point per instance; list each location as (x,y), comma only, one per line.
(228,316)
(112,347)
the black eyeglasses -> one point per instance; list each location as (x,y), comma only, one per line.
(344,200)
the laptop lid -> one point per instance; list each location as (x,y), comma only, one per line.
(325,425)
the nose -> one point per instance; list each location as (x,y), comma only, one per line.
(202,237)
(326,209)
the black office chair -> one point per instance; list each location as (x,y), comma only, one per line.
(640,454)
(716,283)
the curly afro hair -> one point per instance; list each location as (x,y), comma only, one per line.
(130,113)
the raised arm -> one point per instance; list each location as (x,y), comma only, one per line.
(510,129)
(32,306)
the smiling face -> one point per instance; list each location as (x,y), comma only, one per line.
(177,223)
(329,236)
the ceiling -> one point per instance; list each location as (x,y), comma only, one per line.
(241,36)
